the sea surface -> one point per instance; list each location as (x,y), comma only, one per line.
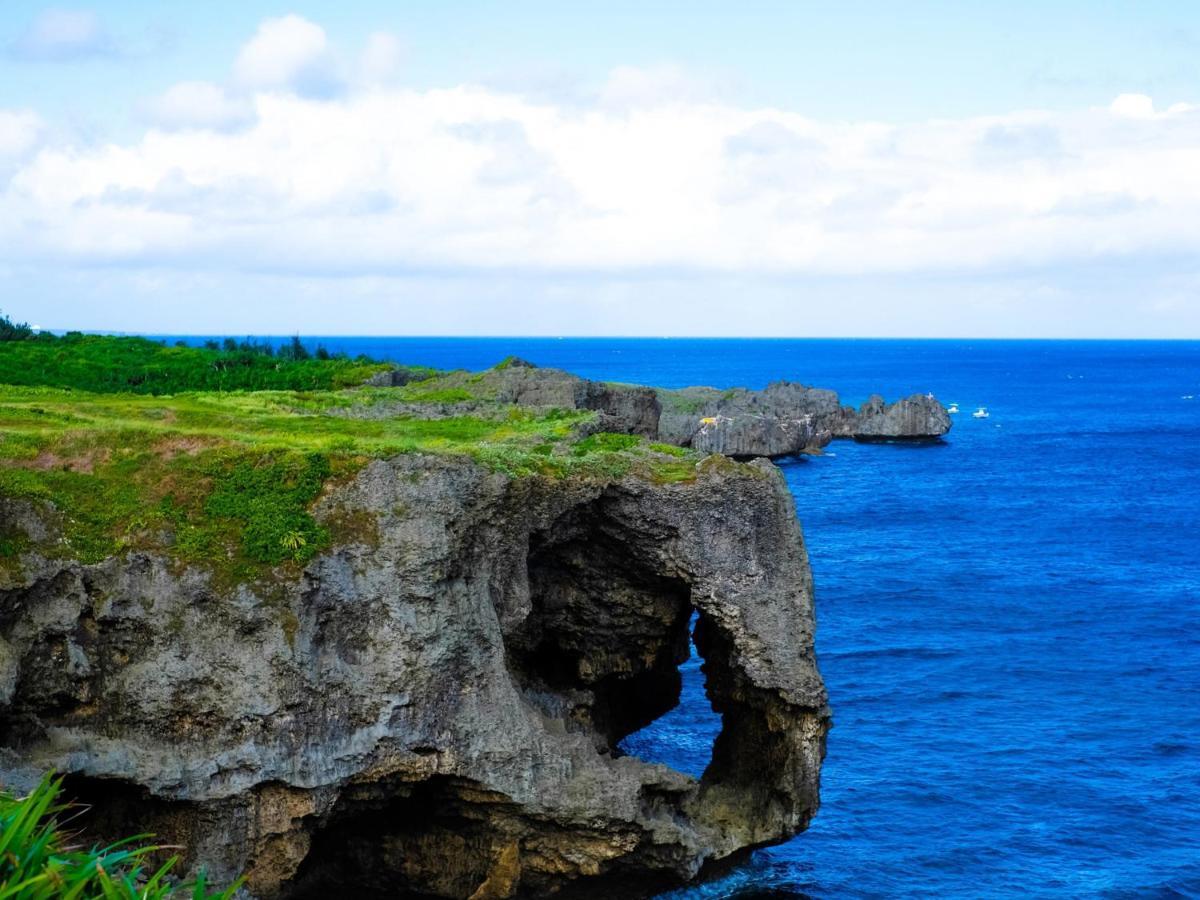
(1008,621)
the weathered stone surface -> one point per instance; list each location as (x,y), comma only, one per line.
(396,377)
(787,418)
(918,417)
(783,419)
(435,710)
(624,408)
(751,435)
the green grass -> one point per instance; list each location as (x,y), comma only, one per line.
(677,402)
(605,442)
(228,479)
(40,859)
(137,365)
(670,450)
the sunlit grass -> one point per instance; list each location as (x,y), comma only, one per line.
(228,480)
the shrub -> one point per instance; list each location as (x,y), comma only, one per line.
(13,331)
(606,442)
(128,364)
(270,497)
(38,860)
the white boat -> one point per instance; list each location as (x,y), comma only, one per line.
(953,408)
(980,413)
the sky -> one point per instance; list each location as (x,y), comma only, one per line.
(795,168)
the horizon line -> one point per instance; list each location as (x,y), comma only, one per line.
(602,337)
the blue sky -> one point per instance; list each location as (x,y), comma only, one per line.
(1016,169)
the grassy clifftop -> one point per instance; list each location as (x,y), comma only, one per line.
(228,479)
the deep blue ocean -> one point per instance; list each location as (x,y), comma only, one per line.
(1007,621)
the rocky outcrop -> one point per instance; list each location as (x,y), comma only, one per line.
(622,408)
(744,436)
(919,417)
(784,419)
(787,418)
(433,709)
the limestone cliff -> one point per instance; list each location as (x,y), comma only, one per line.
(787,418)
(431,707)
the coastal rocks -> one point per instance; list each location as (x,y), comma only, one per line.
(395,377)
(748,436)
(784,419)
(623,408)
(787,418)
(919,417)
(628,409)
(433,708)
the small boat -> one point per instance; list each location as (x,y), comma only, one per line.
(980,413)
(953,408)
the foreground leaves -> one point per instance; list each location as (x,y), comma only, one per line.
(38,859)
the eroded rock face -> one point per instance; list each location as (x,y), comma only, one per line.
(745,436)
(434,709)
(784,419)
(787,418)
(918,417)
(622,408)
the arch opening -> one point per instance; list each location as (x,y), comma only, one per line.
(608,644)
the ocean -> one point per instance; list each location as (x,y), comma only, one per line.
(1007,622)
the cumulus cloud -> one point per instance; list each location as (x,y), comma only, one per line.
(278,172)
(198,104)
(289,52)
(62,35)
(1133,106)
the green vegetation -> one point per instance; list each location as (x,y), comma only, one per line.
(605,441)
(141,366)
(230,480)
(14,331)
(684,404)
(671,450)
(40,861)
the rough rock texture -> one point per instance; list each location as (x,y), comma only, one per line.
(914,418)
(432,711)
(787,418)
(629,409)
(623,408)
(784,419)
(749,435)
(396,377)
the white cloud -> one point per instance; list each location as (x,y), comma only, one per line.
(63,34)
(198,104)
(289,52)
(277,173)
(1133,106)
